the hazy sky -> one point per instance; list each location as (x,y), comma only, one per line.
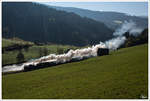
(131,8)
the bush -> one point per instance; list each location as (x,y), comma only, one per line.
(45,51)
(60,50)
(20,57)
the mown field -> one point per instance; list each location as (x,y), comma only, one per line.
(122,74)
(33,52)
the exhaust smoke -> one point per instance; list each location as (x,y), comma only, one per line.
(128,26)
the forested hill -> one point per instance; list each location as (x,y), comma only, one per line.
(111,19)
(37,22)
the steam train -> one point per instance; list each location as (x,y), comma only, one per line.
(100,52)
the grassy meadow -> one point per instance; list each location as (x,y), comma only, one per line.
(121,75)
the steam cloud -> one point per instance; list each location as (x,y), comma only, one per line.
(82,53)
(115,43)
(128,26)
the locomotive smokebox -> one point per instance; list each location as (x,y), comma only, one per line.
(102,51)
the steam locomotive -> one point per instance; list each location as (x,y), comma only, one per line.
(100,52)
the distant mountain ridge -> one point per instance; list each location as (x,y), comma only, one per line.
(37,22)
(111,19)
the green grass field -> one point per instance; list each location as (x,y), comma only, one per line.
(32,53)
(122,74)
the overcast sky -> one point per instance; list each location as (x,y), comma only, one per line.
(131,8)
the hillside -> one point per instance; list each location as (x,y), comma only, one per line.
(37,22)
(122,74)
(10,42)
(111,19)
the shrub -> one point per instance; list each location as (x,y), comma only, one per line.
(20,57)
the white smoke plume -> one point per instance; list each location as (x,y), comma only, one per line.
(135,31)
(12,68)
(115,42)
(62,58)
(81,53)
(128,26)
